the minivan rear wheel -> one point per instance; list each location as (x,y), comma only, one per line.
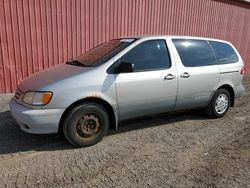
(86,124)
(219,104)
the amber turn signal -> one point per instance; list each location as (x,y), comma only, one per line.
(46,97)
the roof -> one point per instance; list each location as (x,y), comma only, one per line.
(174,36)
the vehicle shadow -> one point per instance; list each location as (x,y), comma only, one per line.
(13,140)
(158,120)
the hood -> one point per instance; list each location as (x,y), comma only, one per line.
(49,76)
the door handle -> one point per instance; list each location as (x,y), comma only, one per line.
(185,75)
(169,77)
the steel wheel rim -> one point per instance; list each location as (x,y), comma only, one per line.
(89,125)
(221,103)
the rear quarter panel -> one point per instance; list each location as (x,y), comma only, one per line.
(230,73)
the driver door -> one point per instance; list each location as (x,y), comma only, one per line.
(152,86)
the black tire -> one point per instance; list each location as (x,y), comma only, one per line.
(211,109)
(81,120)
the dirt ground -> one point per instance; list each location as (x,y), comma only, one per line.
(178,150)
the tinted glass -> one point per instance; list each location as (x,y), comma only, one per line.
(102,53)
(224,52)
(149,55)
(194,53)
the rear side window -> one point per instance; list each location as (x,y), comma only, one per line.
(195,53)
(149,55)
(224,53)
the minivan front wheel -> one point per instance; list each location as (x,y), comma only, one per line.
(219,104)
(86,124)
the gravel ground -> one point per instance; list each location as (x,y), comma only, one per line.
(178,150)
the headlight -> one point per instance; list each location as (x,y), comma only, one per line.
(37,98)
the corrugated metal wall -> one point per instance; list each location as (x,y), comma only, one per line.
(36,34)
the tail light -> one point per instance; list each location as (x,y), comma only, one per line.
(243,70)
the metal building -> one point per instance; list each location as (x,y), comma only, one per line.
(37,34)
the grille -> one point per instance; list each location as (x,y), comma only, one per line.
(18,94)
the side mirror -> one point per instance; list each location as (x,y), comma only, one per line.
(125,67)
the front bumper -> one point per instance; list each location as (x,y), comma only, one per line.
(42,121)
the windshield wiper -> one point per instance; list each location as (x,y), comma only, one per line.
(75,63)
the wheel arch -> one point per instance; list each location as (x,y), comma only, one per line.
(102,102)
(230,89)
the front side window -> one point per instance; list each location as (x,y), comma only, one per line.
(194,53)
(224,53)
(149,55)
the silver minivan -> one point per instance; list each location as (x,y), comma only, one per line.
(127,78)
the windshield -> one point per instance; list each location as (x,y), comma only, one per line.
(102,53)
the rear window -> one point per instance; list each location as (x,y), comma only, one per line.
(224,53)
(195,53)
